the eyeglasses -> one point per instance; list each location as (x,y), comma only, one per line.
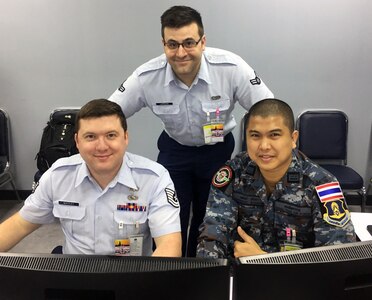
(186,44)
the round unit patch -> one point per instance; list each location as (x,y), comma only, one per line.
(222,177)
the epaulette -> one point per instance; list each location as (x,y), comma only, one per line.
(152,65)
(220,57)
(67,161)
(139,162)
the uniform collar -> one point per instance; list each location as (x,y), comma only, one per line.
(83,173)
(202,74)
(125,173)
(124,176)
(169,75)
(293,176)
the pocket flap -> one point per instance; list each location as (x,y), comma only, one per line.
(130,217)
(69,212)
(166,109)
(212,106)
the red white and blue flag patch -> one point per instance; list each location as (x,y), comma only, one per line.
(329,191)
(334,208)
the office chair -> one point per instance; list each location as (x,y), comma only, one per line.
(242,130)
(5,157)
(323,138)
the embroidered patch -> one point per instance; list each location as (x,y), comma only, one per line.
(329,191)
(121,87)
(172,197)
(336,214)
(256,80)
(222,177)
(334,208)
(293,177)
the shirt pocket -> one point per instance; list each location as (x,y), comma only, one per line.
(250,213)
(294,216)
(71,218)
(129,223)
(211,106)
(167,113)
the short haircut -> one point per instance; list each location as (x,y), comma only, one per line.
(179,16)
(272,107)
(100,108)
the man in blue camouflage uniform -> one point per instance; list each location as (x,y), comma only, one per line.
(273,194)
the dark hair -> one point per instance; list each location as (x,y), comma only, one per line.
(179,16)
(100,108)
(270,107)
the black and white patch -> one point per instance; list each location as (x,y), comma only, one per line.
(172,198)
(256,80)
(121,88)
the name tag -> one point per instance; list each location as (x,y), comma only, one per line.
(68,203)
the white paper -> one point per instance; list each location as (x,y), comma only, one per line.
(360,221)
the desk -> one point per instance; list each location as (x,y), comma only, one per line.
(360,221)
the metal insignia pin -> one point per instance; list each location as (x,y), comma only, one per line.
(133,196)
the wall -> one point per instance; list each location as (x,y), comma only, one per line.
(313,54)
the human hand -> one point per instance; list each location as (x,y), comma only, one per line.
(248,247)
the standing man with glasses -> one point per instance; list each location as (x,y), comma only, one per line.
(193,90)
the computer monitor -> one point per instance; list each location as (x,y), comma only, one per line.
(51,276)
(331,272)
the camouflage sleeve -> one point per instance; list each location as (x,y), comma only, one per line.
(332,221)
(215,240)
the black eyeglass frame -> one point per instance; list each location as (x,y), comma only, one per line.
(183,44)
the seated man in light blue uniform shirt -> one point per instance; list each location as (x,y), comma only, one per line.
(107,200)
(193,89)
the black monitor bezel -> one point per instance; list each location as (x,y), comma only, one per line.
(50,276)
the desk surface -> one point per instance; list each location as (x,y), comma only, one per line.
(360,221)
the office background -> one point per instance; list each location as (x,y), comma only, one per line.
(53,53)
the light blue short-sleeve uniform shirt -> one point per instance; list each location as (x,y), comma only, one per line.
(224,78)
(139,200)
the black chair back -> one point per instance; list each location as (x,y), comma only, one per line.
(323,138)
(5,160)
(323,134)
(4,146)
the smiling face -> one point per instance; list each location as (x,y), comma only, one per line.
(185,63)
(270,144)
(102,143)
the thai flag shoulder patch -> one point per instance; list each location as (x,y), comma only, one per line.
(329,191)
(333,206)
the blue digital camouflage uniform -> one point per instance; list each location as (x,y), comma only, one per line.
(238,198)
